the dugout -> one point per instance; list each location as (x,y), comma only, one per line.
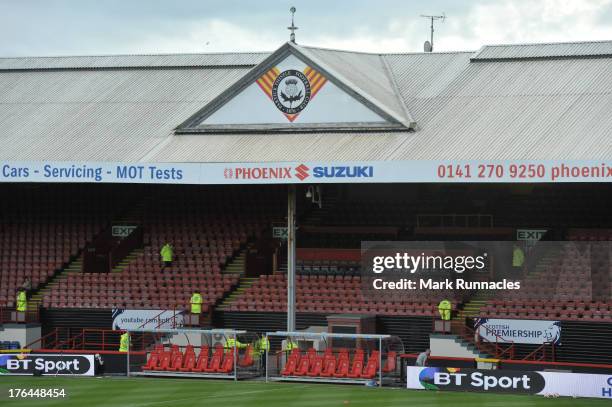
(334,358)
(215,354)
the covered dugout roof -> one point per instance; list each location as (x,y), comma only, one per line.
(504,102)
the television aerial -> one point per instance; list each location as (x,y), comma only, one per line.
(429,45)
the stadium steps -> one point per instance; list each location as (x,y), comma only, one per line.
(72,268)
(133,255)
(473,306)
(471,347)
(470,309)
(236,265)
(243,284)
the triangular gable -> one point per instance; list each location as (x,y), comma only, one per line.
(290,90)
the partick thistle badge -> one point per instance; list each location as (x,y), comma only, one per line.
(291,90)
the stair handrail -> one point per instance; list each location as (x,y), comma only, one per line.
(542,348)
(79,341)
(42,339)
(454,216)
(174,315)
(498,340)
(68,341)
(485,345)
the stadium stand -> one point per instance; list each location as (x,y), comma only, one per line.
(205,236)
(459,107)
(44,227)
(569,288)
(335,294)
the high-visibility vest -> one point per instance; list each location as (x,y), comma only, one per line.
(230,342)
(264,344)
(261,346)
(22,301)
(124,342)
(290,345)
(518,257)
(445,308)
(166,252)
(196,303)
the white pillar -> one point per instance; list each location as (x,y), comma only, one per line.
(291,259)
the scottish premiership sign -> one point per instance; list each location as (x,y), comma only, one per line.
(534,332)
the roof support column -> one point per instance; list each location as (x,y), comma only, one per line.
(291,258)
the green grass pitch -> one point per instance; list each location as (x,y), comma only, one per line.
(149,392)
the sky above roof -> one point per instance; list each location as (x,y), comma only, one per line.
(70,27)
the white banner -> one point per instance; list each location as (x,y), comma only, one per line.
(510,381)
(307,172)
(56,364)
(146,319)
(528,331)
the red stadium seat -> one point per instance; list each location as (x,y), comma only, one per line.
(227,366)
(343,368)
(189,361)
(165,360)
(202,363)
(317,366)
(176,362)
(329,366)
(215,362)
(152,362)
(391,363)
(292,362)
(357,366)
(371,369)
(303,366)
(247,359)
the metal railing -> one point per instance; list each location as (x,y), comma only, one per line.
(177,309)
(499,349)
(11,315)
(454,220)
(47,341)
(543,353)
(103,340)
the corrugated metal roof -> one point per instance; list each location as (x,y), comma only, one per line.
(133,61)
(100,114)
(367,72)
(507,109)
(550,50)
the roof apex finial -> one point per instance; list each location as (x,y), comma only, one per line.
(292,28)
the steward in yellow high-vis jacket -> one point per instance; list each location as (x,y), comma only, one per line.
(22,301)
(445,308)
(167,255)
(518,257)
(124,342)
(196,303)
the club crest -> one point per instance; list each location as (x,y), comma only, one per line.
(291,90)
